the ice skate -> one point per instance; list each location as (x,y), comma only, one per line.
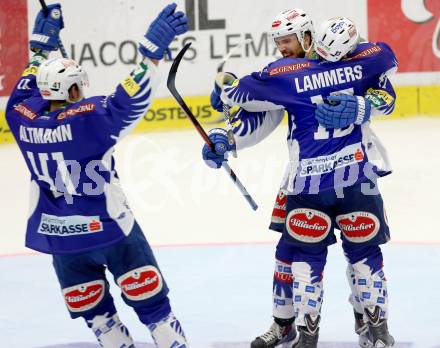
(378,334)
(308,335)
(277,336)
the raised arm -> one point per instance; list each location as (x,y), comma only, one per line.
(44,39)
(134,95)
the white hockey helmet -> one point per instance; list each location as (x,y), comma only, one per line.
(56,76)
(293,21)
(335,38)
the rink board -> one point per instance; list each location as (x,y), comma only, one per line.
(166,115)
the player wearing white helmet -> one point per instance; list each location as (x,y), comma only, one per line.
(79,213)
(290,28)
(55,78)
(337,38)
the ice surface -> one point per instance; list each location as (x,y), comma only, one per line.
(218,259)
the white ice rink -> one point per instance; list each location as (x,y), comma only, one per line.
(217,254)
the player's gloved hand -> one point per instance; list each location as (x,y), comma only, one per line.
(225,78)
(46,31)
(219,137)
(162,32)
(343,110)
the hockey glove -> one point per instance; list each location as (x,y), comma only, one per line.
(47,29)
(162,32)
(222,79)
(343,110)
(219,137)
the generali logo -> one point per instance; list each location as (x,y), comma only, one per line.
(411,28)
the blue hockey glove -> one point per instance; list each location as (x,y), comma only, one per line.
(47,29)
(222,79)
(219,137)
(343,110)
(162,32)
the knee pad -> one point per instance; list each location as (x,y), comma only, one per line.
(88,299)
(371,288)
(282,291)
(168,333)
(143,284)
(110,331)
(307,293)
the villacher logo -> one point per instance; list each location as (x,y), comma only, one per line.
(308,225)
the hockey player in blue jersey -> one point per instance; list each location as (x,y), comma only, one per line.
(78,211)
(320,157)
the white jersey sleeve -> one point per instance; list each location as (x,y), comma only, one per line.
(250,128)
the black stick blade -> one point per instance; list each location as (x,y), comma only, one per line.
(171,82)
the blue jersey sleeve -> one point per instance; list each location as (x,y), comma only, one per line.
(387,61)
(123,109)
(258,92)
(381,93)
(105,118)
(26,86)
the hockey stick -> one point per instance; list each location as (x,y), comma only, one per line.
(171,83)
(227,108)
(60,44)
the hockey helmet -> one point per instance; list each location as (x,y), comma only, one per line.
(293,21)
(56,76)
(335,38)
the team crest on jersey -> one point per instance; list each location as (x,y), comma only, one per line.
(279,209)
(82,297)
(308,225)
(358,226)
(141,283)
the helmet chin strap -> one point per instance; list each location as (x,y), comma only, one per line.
(312,42)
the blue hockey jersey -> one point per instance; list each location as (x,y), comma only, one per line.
(319,158)
(76,201)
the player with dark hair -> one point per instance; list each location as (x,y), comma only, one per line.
(330,182)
